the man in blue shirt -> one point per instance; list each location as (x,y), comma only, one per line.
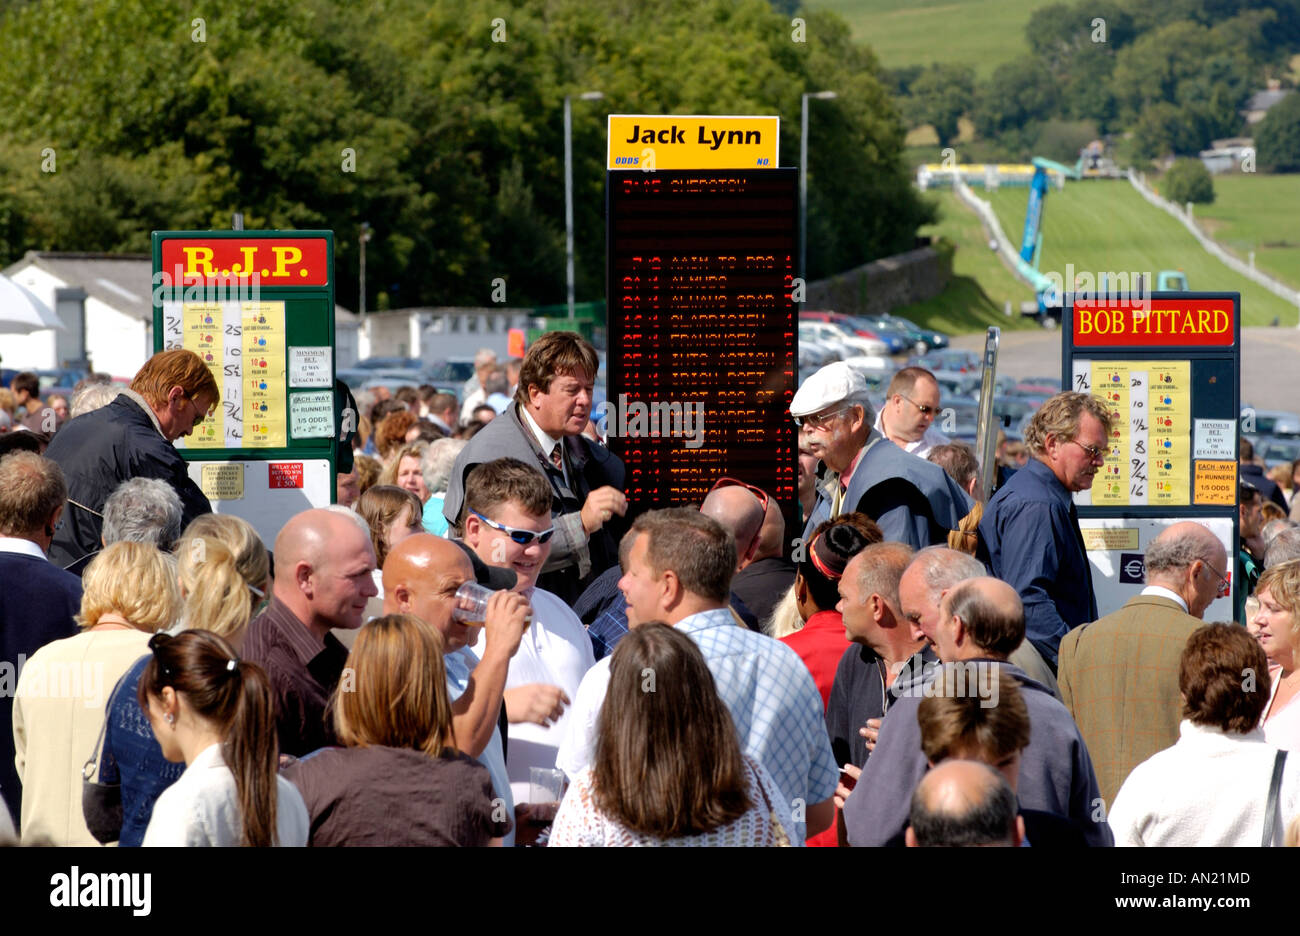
(1030,537)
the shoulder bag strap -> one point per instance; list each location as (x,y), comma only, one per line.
(1274,788)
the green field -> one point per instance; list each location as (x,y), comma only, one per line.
(981,285)
(1257,212)
(1106,226)
(981,33)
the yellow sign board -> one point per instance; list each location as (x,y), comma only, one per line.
(1216,482)
(1103,539)
(638,141)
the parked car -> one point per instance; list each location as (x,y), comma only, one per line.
(843,342)
(951,359)
(390,363)
(896,342)
(1277,423)
(1277,451)
(923,339)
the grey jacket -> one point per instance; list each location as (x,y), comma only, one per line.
(575,558)
(1056,774)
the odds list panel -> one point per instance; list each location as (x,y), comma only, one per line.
(702,330)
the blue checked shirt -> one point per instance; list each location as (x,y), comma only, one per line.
(773,701)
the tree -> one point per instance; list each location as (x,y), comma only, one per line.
(1277,139)
(1188,181)
(1018,92)
(941,96)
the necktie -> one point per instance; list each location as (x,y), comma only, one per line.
(837,499)
(557,456)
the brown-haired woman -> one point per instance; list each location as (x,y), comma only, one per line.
(400,779)
(215,713)
(668,768)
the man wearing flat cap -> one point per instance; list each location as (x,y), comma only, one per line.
(912,500)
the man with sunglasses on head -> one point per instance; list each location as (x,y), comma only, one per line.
(543,428)
(912,500)
(1029,536)
(907,418)
(508,524)
(132,437)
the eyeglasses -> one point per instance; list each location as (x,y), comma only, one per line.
(762,502)
(1223,578)
(1094,453)
(199,415)
(522,537)
(925,410)
(817,420)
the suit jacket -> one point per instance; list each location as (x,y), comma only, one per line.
(912,500)
(576,558)
(1119,679)
(37,604)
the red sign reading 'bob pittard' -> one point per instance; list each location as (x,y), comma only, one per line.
(1125,322)
(287,261)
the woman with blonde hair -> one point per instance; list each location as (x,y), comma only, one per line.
(128,592)
(224,573)
(404,470)
(1277,626)
(399,779)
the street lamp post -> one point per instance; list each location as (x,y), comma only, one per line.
(362,239)
(568,186)
(803,177)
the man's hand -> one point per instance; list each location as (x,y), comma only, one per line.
(848,780)
(537,703)
(871,733)
(600,506)
(506,620)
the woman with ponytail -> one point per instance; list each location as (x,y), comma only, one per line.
(215,713)
(224,572)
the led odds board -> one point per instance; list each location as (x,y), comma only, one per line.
(1168,367)
(702,331)
(258,308)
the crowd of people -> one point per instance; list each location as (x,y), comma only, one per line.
(480,643)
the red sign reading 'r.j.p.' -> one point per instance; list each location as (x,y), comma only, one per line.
(286,261)
(1129,321)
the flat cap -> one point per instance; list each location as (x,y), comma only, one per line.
(833,384)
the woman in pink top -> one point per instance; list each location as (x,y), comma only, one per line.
(1279,633)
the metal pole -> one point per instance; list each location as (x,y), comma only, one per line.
(803,189)
(365,236)
(568,199)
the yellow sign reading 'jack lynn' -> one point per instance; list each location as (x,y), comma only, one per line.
(692,142)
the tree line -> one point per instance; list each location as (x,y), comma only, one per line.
(438,123)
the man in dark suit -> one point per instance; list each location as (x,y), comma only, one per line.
(38,599)
(543,428)
(1119,675)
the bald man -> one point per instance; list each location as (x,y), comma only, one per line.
(740,512)
(1119,675)
(980,622)
(421,576)
(964,803)
(323,566)
(762,582)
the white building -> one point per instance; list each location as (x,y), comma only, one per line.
(111,294)
(106,297)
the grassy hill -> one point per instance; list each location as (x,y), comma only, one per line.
(1106,226)
(981,286)
(1257,212)
(982,33)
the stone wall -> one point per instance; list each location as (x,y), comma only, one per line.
(883,285)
